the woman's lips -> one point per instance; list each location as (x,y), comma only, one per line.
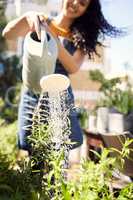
(71,9)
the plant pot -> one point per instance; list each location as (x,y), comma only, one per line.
(102,119)
(92,119)
(127,120)
(115,122)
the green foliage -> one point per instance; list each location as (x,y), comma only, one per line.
(12,69)
(83,117)
(9,114)
(107,86)
(123,100)
(126,193)
(2,24)
(10,84)
(9,104)
(124,153)
(12,72)
(42,176)
(115,97)
(94,179)
(8,141)
(20,184)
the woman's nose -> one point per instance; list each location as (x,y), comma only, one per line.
(75,2)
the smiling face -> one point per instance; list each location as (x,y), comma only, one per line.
(75,8)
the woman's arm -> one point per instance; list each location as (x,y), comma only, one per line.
(31,21)
(71,63)
(15,28)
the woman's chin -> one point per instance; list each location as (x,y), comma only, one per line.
(70,15)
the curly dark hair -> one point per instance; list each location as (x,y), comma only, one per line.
(88,28)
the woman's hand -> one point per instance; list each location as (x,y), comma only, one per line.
(35,20)
(30,21)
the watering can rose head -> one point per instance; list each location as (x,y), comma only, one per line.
(54,83)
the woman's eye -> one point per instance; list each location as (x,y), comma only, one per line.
(83,3)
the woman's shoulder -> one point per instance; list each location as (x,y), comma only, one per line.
(61,32)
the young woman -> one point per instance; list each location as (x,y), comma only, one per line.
(81,23)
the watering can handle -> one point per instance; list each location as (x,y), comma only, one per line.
(44,40)
(43,33)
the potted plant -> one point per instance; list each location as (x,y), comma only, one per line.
(117,96)
(83,117)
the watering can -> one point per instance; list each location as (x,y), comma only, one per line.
(39,58)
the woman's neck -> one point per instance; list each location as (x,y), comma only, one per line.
(63,22)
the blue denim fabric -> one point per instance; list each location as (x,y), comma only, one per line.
(26,108)
(27,105)
(29,100)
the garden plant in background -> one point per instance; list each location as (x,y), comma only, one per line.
(10,71)
(2,25)
(107,88)
(116,95)
(83,117)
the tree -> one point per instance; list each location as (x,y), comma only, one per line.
(2,24)
(9,72)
